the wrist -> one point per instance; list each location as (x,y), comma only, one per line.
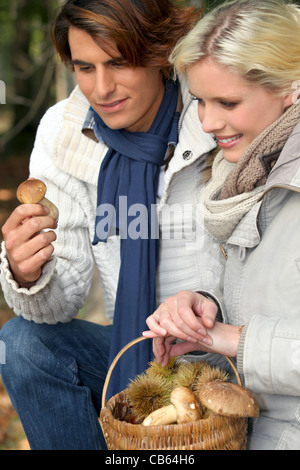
(22,283)
(25,284)
(226,339)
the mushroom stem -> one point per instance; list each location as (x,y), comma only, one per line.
(165,415)
(185,407)
(52,208)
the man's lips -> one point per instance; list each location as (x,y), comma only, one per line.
(112,106)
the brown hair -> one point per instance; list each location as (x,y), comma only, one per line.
(144,31)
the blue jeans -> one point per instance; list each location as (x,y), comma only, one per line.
(54,375)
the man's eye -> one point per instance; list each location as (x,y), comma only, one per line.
(119,64)
(83,68)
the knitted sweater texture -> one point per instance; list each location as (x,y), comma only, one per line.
(68,162)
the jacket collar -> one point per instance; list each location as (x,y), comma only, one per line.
(79,153)
(285,174)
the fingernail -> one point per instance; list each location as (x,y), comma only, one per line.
(191,340)
(202,332)
(207,340)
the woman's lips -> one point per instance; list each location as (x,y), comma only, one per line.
(228,141)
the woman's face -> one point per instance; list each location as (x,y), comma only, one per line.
(235,111)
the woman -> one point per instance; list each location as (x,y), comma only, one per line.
(243,64)
(110,142)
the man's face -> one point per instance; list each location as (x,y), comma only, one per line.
(123,96)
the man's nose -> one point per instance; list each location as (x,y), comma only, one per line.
(105,84)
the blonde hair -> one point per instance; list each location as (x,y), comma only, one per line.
(259,39)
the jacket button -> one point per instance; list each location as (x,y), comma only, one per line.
(187,155)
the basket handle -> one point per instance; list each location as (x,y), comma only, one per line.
(128,346)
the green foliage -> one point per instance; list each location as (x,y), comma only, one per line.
(26,51)
(208,4)
(211,4)
(26,57)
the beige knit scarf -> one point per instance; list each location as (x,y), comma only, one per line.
(236,187)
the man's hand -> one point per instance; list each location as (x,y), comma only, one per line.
(27,245)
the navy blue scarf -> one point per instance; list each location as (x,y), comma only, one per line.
(130,170)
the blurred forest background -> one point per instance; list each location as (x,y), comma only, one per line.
(31,80)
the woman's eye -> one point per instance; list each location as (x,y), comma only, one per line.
(228,104)
(200,101)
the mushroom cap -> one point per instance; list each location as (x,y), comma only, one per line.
(31,191)
(187,405)
(228,399)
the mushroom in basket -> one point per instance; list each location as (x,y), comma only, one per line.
(220,398)
(184,407)
(229,399)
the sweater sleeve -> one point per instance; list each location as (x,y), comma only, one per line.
(61,290)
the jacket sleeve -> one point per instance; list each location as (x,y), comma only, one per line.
(269,355)
(61,290)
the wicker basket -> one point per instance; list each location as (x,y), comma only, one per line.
(213,433)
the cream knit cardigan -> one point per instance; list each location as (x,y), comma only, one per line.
(69,163)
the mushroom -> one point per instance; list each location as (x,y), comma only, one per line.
(32,191)
(184,407)
(228,399)
(165,415)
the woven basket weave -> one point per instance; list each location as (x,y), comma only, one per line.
(213,433)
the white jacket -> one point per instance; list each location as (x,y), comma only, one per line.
(68,162)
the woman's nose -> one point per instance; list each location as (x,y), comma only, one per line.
(211,121)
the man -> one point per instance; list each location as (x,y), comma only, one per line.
(108,146)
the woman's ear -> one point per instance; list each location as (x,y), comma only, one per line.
(292,98)
(289,100)
(296,93)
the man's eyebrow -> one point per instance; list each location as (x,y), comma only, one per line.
(79,62)
(113,60)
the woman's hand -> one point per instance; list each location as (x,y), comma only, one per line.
(189,316)
(27,246)
(224,340)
